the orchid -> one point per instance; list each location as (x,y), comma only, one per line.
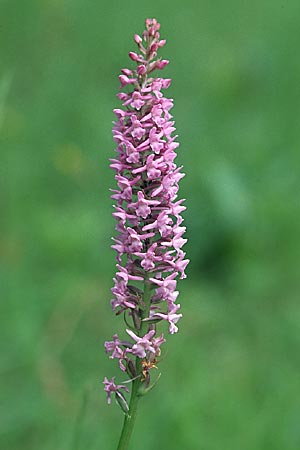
(149,242)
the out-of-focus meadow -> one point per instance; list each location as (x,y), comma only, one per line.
(231,377)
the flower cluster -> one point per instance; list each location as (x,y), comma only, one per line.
(148,213)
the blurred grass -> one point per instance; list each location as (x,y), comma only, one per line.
(231,377)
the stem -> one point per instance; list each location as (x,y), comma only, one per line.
(129,419)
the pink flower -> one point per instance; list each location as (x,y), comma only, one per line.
(155,140)
(167,288)
(137,100)
(152,167)
(149,258)
(162,224)
(143,344)
(115,348)
(172,318)
(142,206)
(125,187)
(137,130)
(157,342)
(180,264)
(110,387)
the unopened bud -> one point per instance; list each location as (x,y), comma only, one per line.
(141,70)
(166,83)
(119,113)
(161,64)
(127,72)
(122,96)
(138,39)
(125,80)
(162,43)
(133,56)
(154,47)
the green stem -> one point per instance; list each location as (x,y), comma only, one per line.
(129,419)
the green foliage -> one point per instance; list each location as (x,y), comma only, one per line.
(230,378)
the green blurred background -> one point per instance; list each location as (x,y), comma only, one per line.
(231,377)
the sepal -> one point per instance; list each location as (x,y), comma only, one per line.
(121,400)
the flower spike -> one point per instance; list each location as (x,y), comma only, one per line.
(148,217)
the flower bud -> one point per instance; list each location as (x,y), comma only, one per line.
(162,43)
(133,56)
(141,70)
(138,39)
(127,72)
(154,47)
(161,64)
(125,80)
